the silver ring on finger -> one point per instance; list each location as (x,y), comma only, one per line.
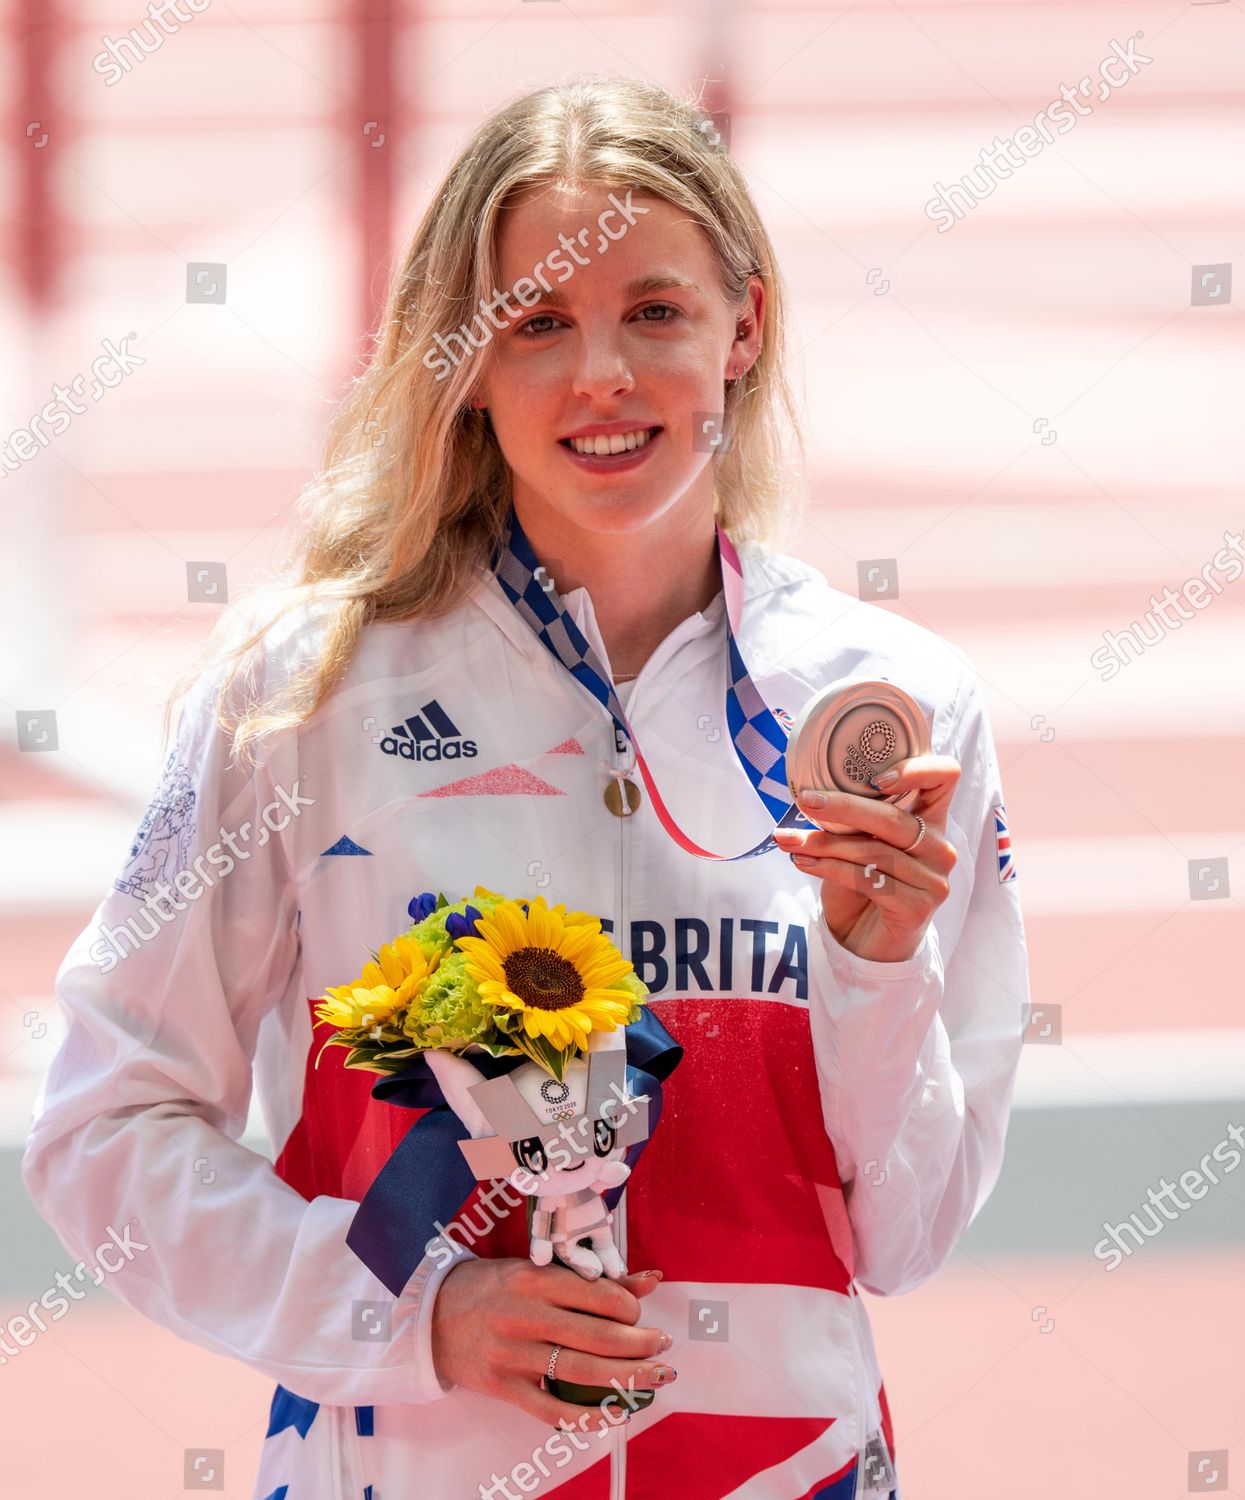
(908,848)
(553,1361)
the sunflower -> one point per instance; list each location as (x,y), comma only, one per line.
(558,972)
(385,987)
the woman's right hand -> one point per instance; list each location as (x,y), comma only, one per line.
(495,1321)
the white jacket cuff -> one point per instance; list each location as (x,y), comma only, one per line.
(422,1290)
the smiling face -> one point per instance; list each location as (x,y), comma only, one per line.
(597,388)
(565,1164)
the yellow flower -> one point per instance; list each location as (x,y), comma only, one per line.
(386,986)
(362,1008)
(559,971)
(569,918)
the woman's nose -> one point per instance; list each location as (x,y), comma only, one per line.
(602,370)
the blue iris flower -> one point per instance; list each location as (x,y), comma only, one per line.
(421,906)
(463,926)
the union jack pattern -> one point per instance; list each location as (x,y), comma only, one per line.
(1003,845)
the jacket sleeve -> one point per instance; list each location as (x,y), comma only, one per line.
(917,1059)
(137,1125)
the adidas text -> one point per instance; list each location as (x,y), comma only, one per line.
(430,750)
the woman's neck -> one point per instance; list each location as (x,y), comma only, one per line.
(642,583)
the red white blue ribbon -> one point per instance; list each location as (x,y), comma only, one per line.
(759,736)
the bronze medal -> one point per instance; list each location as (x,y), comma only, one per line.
(614,797)
(850,732)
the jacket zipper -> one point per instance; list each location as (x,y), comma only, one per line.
(624,758)
(859,1361)
(870,1423)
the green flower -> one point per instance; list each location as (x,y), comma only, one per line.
(639,991)
(449,1011)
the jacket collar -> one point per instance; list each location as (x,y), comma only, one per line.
(764,570)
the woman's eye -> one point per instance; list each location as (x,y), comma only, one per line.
(531,330)
(659,307)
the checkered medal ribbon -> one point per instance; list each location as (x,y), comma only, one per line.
(759,737)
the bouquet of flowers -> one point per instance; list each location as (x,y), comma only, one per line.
(513,1014)
(506,977)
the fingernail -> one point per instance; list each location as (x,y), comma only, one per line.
(885,779)
(665,1341)
(662,1373)
(654,1275)
(812,798)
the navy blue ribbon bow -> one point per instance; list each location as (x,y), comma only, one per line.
(426,1180)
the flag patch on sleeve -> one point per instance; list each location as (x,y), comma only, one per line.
(1003,845)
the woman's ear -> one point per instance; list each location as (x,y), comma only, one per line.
(749,330)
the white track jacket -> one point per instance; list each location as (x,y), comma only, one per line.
(835,1123)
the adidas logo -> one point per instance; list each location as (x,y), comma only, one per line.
(428,735)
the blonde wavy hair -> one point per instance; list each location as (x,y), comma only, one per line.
(413,494)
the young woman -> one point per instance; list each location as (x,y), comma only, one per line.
(578,380)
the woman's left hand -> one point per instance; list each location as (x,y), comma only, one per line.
(876,898)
